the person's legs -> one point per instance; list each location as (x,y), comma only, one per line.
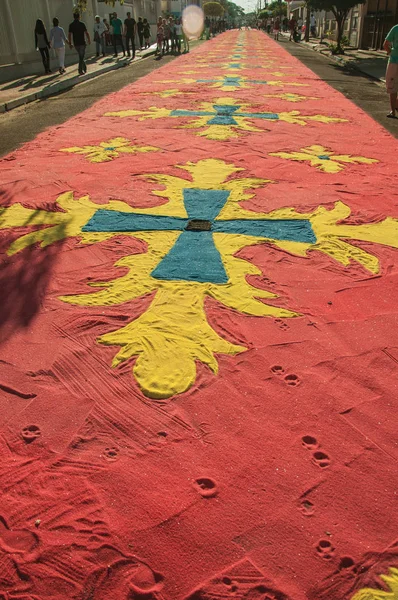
(81,50)
(103,43)
(115,44)
(141,36)
(47,59)
(61,58)
(121,43)
(97,47)
(130,38)
(43,58)
(393,103)
(392,87)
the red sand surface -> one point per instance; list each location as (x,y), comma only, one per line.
(274,478)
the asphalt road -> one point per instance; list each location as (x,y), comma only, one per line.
(24,123)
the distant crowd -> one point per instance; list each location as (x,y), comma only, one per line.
(293,26)
(116,34)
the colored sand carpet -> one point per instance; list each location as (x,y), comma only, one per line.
(199,343)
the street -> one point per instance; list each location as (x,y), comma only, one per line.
(198,328)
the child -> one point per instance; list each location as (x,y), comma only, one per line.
(147,33)
(160,38)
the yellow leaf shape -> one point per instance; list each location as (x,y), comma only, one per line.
(57,225)
(294,116)
(107,151)
(151,113)
(374,594)
(291,97)
(323,159)
(168,340)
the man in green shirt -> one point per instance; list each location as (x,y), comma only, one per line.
(117,34)
(391,47)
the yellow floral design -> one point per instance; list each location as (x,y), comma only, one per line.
(323,159)
(107,151)
(173,334)
(240,121)
(373,594)
(291,97)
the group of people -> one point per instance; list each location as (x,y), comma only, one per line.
(170,36)
(294,26)
(79,38)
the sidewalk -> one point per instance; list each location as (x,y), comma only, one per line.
(371,62)
(33,87)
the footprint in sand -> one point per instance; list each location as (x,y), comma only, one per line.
(111,453)
(321,459)
(307,508)
(292,379)
(206,487)
(309,442)
(30,433)
(19,541)
(282,324)
(125,578)
(346,563)
(325,549)
(277,370)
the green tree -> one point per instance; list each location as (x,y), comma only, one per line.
(213,9)
(340,10)
(277,8)
(264,14)
(235,11)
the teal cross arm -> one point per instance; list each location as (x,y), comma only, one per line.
(224,114)
(232,81)
(194,256)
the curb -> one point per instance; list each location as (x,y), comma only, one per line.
(348,64)
(338,59)
(64,85)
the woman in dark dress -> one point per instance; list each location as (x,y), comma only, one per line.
(42,44)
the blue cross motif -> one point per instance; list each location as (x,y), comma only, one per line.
(224,114)
(324,157)
(232,81)
(194,256)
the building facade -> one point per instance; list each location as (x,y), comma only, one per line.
(18,56)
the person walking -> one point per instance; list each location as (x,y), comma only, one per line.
(140,30)
(159,36)
(292,29)
(117,34)
(147,33)
(129,32)
(99,35)
(173,35)
(312,25)
(167,33)
(78,31)
(277,27)
(42,44)
(57,41)
(178,35)
(391,47)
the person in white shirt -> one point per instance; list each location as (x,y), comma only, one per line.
(99,35)
(57,41)
(313,25)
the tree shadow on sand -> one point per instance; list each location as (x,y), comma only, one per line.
(24,276)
